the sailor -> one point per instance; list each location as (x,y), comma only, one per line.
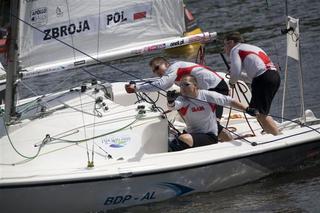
(171,74)
(258,67)
(197,108)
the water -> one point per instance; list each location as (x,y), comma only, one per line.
(295,191)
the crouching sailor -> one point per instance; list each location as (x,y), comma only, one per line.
(197,108)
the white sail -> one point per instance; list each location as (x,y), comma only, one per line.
(100,29)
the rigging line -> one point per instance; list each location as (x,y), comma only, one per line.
(89,56)
(94,126)
(296,122)
(57,86)
(84,126)
(241,138)
(242,91)
(98,136)
(76,129)
(61,83)
(74,52)
(74,108)
(98,41)
(29,88)
(151,101)
(31,106)
(15,149)
(60,140)
(42,154)
(230,109)
(109,156)
(289,136)
(267,5)
(253,143)
(245,116)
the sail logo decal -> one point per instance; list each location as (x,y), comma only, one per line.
(59,11)
(39,16)
(140,15)
(85,25)
(127,15)
(177,43)
(66,30)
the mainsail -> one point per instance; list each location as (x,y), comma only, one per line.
(103,30)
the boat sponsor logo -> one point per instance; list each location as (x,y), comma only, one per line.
(39,16)
(177,43)
(59,12)
(65,30)
(41,71)
(127,15)
(117,141)
(150,48)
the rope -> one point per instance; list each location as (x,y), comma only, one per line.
(98,136)
(245,116)
(84,126)
(200,59)
(49,139)
(45,140)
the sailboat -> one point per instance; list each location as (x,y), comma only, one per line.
(94,147)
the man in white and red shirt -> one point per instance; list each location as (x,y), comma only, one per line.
(197,108)
(171,73)
(257,66)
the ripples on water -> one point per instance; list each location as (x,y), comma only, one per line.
(260,24)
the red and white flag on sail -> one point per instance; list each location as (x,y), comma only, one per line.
(139,15)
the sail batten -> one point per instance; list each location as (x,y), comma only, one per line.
(105,29)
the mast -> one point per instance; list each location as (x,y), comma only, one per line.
(12,72)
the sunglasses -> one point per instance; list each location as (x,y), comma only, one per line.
(184,84)
(156,68)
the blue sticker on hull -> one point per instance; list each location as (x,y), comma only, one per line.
(177,188)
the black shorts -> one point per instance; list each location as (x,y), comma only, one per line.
(220,127)
(203,139)
(223,89)
(264,88)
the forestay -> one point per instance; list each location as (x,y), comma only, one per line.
(106,30)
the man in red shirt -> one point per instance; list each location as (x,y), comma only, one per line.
(258,68)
